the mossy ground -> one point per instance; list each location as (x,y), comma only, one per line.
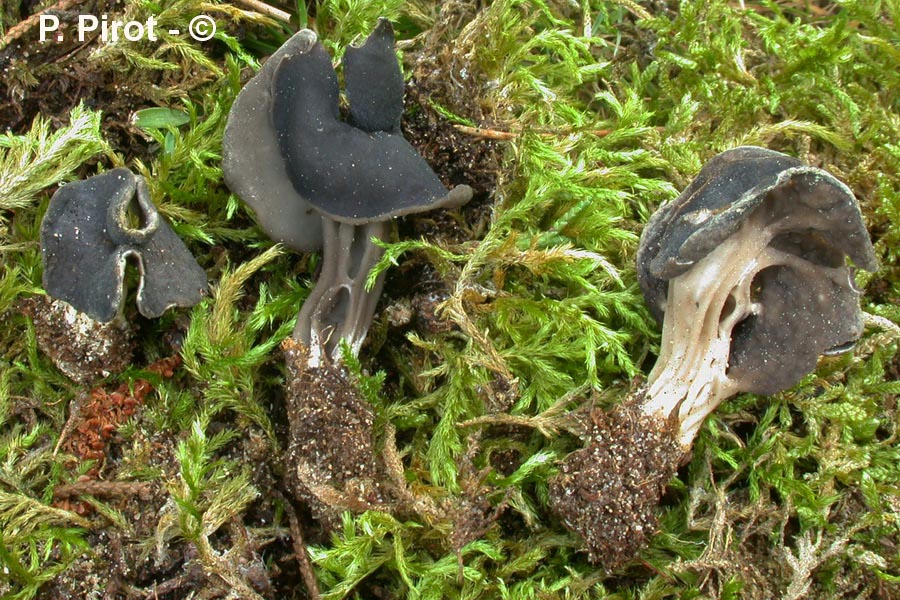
(500,321)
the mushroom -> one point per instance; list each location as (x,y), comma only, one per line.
(93,227)
(314,180)
(747,271)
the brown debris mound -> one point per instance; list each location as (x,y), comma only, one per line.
(456,157)
(82,348)
(608,491)
(331,457)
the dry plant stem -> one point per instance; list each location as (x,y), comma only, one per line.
(103,488)
(265,9)
(74,412)
(20,29)
(339,306)
(300,553)
(488,134)
(494,134)
(690,378)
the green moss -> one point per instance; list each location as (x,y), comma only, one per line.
(611,108)
(41,158)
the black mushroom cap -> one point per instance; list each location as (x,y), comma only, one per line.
(806,301)
(373,82)
(286,151)
(87,236)
(252,163)
(352,175)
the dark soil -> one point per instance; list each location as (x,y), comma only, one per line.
(50,78)
(608,492)
(456,157)
(331,457)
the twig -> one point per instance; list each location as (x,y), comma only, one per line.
(102,488)
(421,504)
(169,585)
(890,333)
(546,429)
(548,422)
(488,134)
(887,325)
(263,8)
(495,134)
(306,570)
(634,8)
(816,11)
(21,28)
(74,412)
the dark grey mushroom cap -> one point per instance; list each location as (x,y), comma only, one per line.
(725,192)
(809,305)
(351,175)
(252,163)
(87,237)
(373,81)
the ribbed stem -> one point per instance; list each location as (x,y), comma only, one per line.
(339,306)
(703,306)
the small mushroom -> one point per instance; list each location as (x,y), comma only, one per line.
(747,271)
(315,180)
(93,227)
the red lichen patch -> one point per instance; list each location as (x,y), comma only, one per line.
(93,428)
(100,418)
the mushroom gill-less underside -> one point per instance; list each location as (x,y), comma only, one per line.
(756,285)
(752,315)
